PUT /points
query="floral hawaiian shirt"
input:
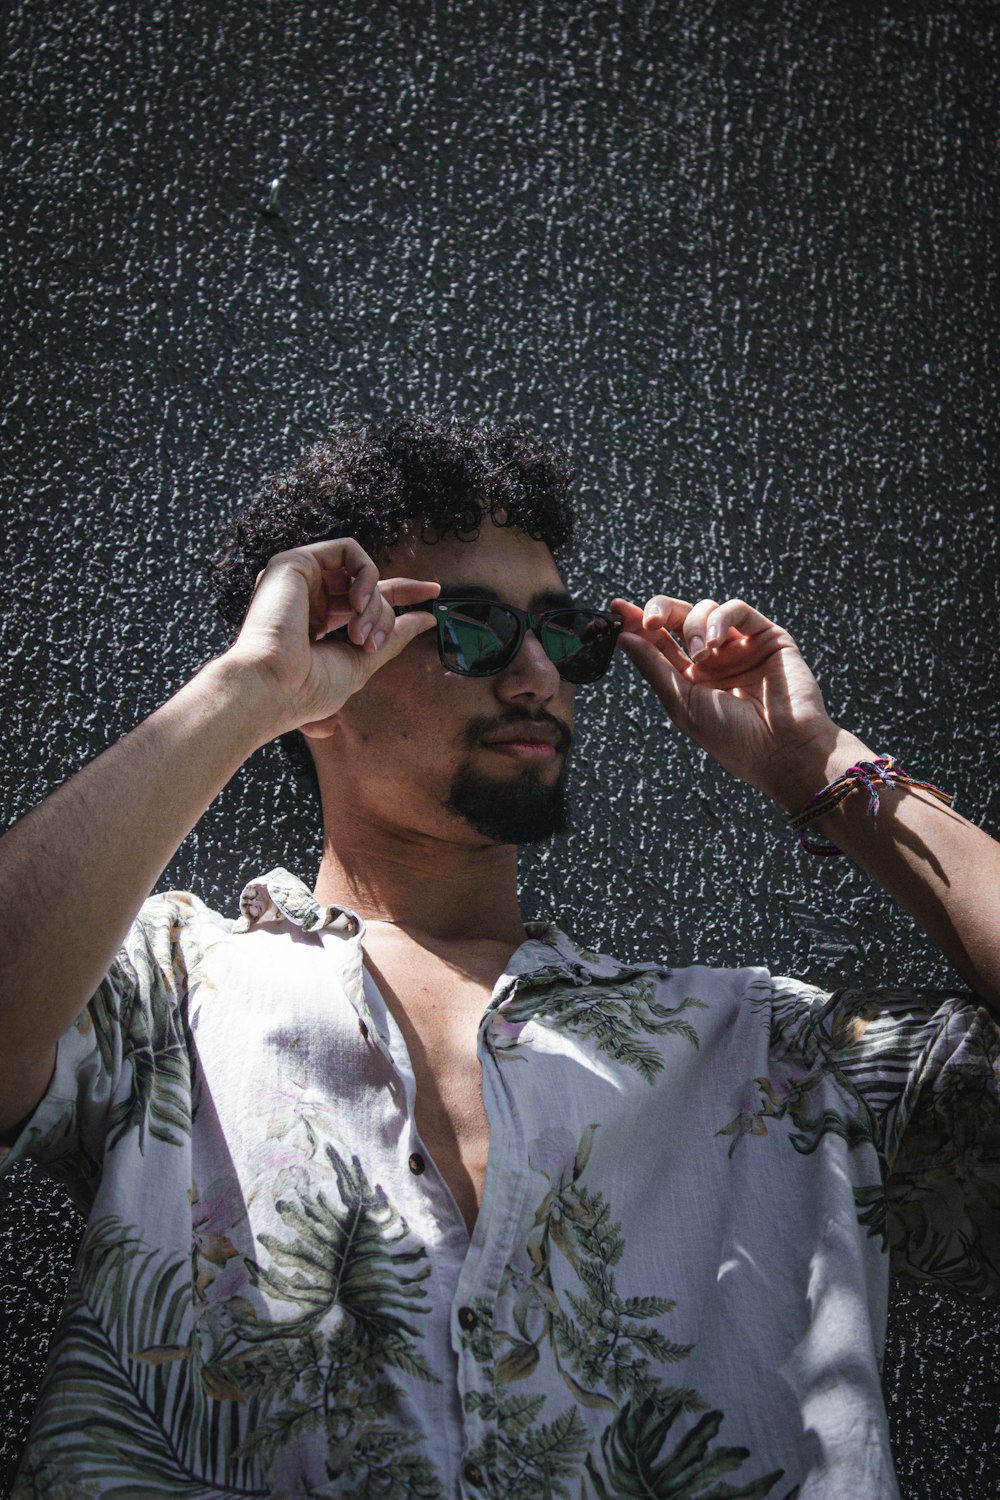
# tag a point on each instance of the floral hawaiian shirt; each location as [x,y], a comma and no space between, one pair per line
[698,1180]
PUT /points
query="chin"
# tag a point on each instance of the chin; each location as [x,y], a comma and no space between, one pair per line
[524,809]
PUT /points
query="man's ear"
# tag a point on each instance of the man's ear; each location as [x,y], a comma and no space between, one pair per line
[321,729]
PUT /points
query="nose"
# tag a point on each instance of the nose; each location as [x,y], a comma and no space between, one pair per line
[530,676]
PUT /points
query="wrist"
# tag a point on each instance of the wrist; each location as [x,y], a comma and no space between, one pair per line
[799,774]
[239,698]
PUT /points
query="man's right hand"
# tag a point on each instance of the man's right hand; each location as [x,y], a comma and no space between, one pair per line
[300,598]
[87,857]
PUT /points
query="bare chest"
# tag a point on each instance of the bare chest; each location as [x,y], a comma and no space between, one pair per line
[438,1008]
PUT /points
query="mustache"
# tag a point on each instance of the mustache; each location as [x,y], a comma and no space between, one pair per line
[477,729]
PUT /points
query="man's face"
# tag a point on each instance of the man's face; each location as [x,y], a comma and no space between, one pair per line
[467,759]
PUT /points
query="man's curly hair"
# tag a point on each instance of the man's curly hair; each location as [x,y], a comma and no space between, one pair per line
[439,474]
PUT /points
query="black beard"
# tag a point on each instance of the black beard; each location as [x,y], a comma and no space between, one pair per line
[524,811]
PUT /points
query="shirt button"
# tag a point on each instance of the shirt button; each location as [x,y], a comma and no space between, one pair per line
[417,1164]
[472,1474]
[467,1318]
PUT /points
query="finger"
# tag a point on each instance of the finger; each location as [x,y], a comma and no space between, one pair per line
[364,581]
[664,612]
[630,613]
[661,612]
[409,590]
[657,636]
[361,623]
[336,569]
[695,628]
[379,623]
[346,558]
[390,592]
[390,636]
[394,633]
[735,615]
[374,617]
[394,590]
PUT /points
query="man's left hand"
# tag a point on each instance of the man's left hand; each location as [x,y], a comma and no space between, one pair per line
[738,686]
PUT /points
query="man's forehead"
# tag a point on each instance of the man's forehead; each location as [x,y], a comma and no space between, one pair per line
[501,562]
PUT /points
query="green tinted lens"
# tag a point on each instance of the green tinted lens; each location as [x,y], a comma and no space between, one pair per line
[479,638]
[476,637]
[579,642]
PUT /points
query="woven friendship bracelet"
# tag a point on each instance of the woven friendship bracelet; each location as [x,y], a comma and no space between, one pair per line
[882,770]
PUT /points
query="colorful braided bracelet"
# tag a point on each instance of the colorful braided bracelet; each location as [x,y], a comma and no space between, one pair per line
[864,773]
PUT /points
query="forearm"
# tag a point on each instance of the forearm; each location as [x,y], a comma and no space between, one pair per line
[75,870]
[940,868]
[747,697]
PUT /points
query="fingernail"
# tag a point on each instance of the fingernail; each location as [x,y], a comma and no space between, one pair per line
[364,604]
[697,646]
[366,631]
[378,638]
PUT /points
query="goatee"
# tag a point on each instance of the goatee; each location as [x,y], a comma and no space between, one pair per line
[523,811]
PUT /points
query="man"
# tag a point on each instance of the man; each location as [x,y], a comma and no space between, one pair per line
[390,1195]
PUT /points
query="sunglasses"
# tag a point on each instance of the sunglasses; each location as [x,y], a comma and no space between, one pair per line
[479,637]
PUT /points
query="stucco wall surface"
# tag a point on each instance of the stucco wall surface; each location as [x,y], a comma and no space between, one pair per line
[742,259]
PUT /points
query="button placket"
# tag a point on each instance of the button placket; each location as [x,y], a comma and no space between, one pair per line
[355,982]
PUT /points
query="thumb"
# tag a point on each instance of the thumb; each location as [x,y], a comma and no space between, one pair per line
[361,664]
[401,631]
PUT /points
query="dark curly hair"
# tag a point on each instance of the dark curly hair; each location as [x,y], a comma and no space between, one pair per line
[440,473]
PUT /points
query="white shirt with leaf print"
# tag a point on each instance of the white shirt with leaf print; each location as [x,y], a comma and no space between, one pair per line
[698,1180]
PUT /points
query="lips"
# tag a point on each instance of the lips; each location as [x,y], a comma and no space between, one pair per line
[534,734]
[540,737]
[530,742]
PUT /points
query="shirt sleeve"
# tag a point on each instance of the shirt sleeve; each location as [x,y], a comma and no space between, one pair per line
[943,1192]
[924,1068]
[126,1063]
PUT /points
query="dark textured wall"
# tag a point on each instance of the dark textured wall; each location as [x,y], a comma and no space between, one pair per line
[741,258]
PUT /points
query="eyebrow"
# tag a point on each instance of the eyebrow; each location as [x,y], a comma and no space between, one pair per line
[547,599]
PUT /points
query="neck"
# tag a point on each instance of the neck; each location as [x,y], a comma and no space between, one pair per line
[427,886]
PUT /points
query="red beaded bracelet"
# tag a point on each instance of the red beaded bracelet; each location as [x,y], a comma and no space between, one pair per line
[864,773]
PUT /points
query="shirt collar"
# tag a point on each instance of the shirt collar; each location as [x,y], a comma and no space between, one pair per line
[545,955]
[279,895]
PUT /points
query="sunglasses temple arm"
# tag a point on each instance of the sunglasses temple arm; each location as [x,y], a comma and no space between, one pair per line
[426,605]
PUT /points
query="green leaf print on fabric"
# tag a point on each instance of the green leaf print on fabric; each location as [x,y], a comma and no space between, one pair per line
[944,1183]
[531,1458]
[150,1428]
[48,1481]
[347,1254]
[156,1044]
[614,1019]
[348,1267]
[608,1342]
[635,1464]
[811,1047]
[917,1074]
[192,1392]
[602,1343]
[608,1348]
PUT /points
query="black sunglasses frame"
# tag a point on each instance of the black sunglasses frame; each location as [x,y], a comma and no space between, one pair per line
[527,619]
